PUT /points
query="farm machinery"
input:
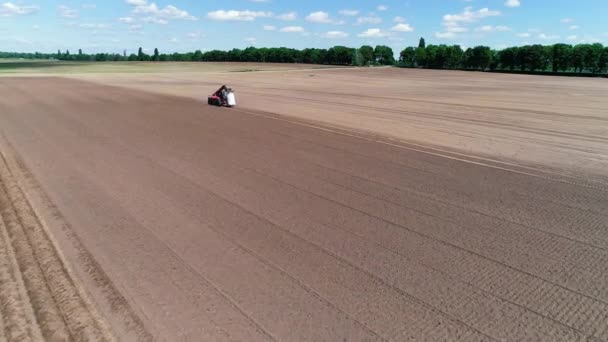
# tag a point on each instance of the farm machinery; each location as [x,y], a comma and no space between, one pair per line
[223,97]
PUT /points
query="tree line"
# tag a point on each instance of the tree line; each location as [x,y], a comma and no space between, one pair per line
[337,55]
[589,58]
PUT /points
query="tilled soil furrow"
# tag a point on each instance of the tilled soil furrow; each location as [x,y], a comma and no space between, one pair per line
[44,306]
[489,225]
[256,155]
[60,310]
[596,307]
[17,323]
[221,224]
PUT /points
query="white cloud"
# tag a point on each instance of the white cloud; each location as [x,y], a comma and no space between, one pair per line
[369,20]
[456,23]
[89,6]
[289,16]
[259,0]
[321,17]
[445,35]
[155,20]
[233,15]
[292,29]
[136,2]
[373,33]
[349,13]
[548,37]
[512,3]
[36,27]
[126,20]
[154,14]
[573,27]
[456,29]
[490,28]
[567,20]
[269,28]
[173,40]
[93,26]
[334,34]
[402,28]
[251,40]
[382,8]
[399,19]
[8,9]
[469,16]
[572,37]
[523,35]
[67,12]
[169,12]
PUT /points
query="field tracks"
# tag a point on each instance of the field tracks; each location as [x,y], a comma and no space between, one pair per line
[528,169]
[39,298]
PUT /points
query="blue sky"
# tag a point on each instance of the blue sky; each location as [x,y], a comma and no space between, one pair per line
[180,25]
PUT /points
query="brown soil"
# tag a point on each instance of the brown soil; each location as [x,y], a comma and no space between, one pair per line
[237,224]
[38,297]
[538,121]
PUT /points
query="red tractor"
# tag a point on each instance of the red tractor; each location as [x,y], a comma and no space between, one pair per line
[223,97]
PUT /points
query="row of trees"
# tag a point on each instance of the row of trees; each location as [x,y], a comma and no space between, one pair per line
[591,58]
[337,55]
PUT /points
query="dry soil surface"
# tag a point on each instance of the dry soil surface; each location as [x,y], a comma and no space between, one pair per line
[189,222]
[538,121]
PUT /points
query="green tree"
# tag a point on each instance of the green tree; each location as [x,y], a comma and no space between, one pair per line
[367,52]
[603,64]
[592,57]
[156,54]
[140,54]
[579,52]
[454,56]
[357,57]
[479,57]
[494,63]
[561,57]
[507,58]
[532,57]
[433,57]
[197,56]
[384,55]
[547,60]
[250,54]
[422,43]
[340,55]
[407,57]
[421,57]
